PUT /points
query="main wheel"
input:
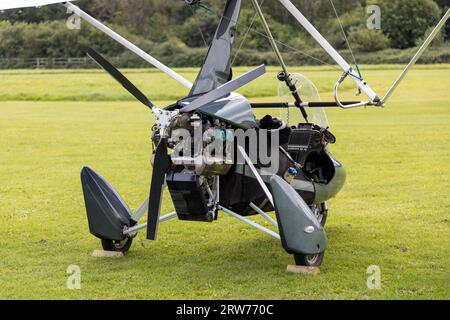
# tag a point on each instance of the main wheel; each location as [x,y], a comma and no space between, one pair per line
[320,211]
[120,246]
[309,260]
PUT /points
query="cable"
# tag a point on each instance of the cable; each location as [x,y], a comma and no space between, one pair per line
[250,28]
[198,26]
[343,32]
[245,35]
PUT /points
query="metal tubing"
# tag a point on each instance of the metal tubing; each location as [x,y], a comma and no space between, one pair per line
[256,174]
[253,224]
[417,56]
[140,211]
[115,36]
[265,215]
[338,101]
[270,36]
[144,225]
[329,49]
[292,87]
[14,4]
[329,104]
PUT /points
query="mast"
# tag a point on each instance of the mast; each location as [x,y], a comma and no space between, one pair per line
[284,75]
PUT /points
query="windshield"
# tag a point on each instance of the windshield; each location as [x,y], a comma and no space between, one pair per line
[308,93]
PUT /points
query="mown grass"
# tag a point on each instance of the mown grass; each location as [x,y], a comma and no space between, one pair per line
[96,85]
[393,211]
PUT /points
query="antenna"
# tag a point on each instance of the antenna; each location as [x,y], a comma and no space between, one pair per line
[416,57]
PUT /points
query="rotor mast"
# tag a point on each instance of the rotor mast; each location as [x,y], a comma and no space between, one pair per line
[284,75]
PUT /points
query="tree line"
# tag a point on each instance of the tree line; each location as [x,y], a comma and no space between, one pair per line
[179,34]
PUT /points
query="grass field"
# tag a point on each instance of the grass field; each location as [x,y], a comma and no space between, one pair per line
[394,211]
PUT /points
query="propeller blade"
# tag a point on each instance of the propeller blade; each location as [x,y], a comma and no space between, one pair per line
[119,77]
[225,89]
[160,165]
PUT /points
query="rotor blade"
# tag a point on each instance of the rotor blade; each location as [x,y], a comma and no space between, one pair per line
[13,4]
[119,77]
[225,89]
[160,165]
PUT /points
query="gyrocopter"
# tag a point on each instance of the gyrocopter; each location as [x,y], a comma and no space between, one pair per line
[214,155]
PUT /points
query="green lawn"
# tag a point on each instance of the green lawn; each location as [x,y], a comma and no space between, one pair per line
[394,211]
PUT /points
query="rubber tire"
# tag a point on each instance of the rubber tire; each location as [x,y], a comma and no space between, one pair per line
[305,260]
[122,246]
[324,209]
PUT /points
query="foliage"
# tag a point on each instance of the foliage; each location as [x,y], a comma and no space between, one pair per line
[176,34]
[368,40]
[53,39]
[407,21]
[438,41]
[354,18]
[255,37]
[198,30]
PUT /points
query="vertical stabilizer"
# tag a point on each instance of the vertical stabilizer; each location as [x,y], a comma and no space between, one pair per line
[216,69]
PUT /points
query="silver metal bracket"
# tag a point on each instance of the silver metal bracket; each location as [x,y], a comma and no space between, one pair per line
[265,215]
[133,230]
[164,119]
[336,95]
[256,174]
[250,222]
[140,211]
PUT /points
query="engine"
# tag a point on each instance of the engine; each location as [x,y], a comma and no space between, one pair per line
[201,152]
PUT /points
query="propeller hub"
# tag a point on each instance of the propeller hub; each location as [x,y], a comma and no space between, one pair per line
[164,119]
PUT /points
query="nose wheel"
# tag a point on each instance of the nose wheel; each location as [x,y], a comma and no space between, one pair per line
[309,260]
[320,211]
[119,246]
